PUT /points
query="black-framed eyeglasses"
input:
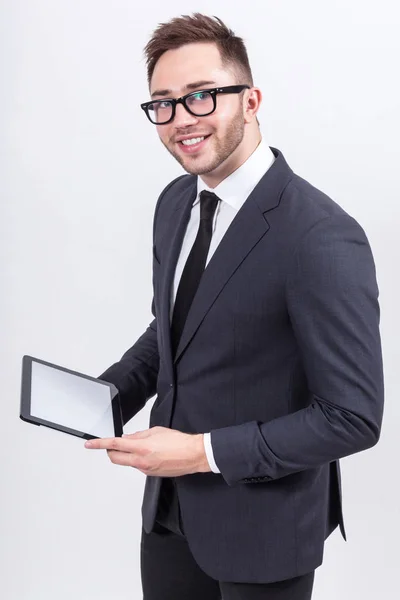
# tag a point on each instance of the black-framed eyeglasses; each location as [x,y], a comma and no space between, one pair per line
[200,104]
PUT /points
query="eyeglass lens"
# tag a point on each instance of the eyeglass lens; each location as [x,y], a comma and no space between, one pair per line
[200,104]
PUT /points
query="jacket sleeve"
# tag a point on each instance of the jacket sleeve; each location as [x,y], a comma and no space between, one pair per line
[135,374]
[332,302]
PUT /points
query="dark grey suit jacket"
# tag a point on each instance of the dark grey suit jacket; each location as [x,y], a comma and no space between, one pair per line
[280,359]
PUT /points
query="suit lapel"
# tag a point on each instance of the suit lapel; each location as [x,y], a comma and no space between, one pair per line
[174,235]
[243,233]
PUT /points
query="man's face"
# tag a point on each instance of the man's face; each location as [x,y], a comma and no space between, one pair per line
[192,63]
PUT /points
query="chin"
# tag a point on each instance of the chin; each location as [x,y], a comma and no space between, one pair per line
[199,168]
[196,171]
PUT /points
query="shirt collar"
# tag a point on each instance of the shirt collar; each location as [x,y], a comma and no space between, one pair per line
[235,188]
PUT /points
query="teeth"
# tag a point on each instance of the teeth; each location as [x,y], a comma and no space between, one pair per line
[192,141]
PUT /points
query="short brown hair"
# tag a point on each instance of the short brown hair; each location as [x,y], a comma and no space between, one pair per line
[199,28]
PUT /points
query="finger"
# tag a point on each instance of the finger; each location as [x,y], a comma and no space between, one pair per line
[110,444]
[125,459]
[100,443]
[137,435]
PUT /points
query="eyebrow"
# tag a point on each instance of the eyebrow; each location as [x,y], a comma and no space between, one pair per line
[190,86]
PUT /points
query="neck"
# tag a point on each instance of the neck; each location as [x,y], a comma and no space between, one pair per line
[233,162]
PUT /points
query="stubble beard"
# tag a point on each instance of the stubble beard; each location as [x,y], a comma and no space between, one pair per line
[221,149]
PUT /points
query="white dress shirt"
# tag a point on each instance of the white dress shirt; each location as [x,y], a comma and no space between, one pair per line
[233,192]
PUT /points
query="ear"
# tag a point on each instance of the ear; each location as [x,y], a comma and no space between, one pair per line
[252,100]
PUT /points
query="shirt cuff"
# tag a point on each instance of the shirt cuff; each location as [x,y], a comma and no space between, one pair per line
[209,453]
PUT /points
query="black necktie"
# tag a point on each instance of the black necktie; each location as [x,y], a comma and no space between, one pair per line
[194,267]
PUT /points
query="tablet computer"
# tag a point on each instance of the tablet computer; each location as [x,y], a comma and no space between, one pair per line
[69,401]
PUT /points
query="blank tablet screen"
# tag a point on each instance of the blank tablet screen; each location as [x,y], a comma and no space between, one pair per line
[71,401]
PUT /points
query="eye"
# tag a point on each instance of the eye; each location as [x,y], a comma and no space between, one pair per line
[198,97]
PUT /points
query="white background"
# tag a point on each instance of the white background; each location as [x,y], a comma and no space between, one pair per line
[81,170]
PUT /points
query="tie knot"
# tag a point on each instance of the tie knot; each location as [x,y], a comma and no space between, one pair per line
[208,204]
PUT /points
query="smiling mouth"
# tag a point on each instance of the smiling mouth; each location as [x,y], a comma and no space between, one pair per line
[193,141]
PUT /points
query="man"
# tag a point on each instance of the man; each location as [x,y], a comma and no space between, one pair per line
[264,350]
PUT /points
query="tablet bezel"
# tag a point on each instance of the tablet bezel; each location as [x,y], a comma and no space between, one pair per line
[25,404]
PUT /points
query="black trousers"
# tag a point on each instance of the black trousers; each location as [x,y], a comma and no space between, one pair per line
[169,571]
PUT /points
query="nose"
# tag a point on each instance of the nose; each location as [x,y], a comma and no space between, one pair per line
[183,118]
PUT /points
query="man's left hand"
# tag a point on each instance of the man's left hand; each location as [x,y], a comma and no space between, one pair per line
[157,451]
